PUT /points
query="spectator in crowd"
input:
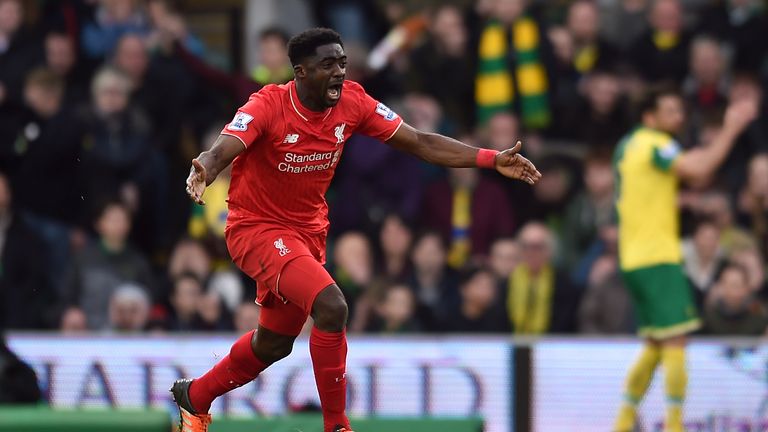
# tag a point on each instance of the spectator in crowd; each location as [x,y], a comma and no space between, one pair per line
[706,87]
[61,59]
[132,59]
[185,297]
[732,307]
[433,282]
[502,131]
[539,297]
[49,141]
[353,269]
[189,256]
[752,201]
[590,210]
[742,24]
[715,205]
[395,240]
[118,158]
[439,67]
[591,51]
[606,307]
[112,20]
[470,210]
[512,71]
[18,53]
[565,74]
[156,88]
[623,21]
[212,313]
[129,309]
[598,115]
[703,259]
[395,312]
[550,196]
[750,259]
[247,317]
[104,265]
[73,321]
[504,258]
[480,310]
[273,67]
[27,301]
[662,52]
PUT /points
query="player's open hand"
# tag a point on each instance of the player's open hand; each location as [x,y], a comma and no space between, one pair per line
[741,113]
[513,165]
[196,182]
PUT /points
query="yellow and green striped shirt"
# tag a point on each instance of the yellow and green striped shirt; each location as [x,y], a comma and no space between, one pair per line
[646,200]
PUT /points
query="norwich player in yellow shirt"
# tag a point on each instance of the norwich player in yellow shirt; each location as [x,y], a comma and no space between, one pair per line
[649,164]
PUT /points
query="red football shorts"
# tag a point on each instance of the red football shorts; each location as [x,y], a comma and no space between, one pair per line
[288,270]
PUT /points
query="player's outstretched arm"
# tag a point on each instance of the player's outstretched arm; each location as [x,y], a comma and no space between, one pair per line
[702,162]
[209,164]
[441,150]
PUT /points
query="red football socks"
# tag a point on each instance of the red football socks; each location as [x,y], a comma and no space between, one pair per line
[329,358]
[240,367]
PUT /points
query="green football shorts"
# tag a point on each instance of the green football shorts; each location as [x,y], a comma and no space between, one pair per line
[663,301]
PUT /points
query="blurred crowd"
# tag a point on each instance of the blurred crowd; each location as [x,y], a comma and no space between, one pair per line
[103,103]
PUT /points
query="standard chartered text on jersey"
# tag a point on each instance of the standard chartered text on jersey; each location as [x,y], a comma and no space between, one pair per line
[331,157]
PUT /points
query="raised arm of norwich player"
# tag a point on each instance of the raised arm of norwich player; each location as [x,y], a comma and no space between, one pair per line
[206,166]
[702,162]
[441,150]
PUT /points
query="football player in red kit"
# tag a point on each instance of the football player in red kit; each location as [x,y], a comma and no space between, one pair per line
[285,144]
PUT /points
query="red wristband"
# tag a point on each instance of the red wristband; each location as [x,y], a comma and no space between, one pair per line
[486,158]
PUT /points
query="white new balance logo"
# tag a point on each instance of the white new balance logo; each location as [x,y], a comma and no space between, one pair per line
[282,249]
[291,138]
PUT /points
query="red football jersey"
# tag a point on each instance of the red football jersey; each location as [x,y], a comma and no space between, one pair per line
[291,153]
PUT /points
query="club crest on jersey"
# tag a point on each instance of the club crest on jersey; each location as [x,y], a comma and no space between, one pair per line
[385,112]
[339,132]
[282,249]
[240,122]
[291,139]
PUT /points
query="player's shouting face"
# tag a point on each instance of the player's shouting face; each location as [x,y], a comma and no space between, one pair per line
[321,76]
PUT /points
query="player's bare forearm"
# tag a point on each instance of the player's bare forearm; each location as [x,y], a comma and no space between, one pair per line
[223,152]
[434,148]
[703,162]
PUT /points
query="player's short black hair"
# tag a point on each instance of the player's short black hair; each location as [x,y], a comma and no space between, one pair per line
[650,100]
[305,44]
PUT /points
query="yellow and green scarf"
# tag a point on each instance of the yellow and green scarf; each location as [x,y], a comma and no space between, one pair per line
[529,301]
[212,217]
[461,218]
[494,89]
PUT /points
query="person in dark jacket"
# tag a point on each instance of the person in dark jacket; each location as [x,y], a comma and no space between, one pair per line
[18,381]
[27,301]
